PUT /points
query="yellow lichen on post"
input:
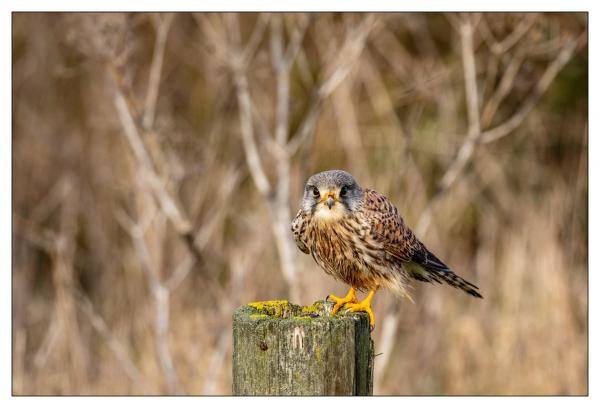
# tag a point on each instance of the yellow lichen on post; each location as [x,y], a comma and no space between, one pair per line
[271,307]
[269,304]
[314,308]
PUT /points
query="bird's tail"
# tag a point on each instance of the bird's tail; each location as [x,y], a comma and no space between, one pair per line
[431,269]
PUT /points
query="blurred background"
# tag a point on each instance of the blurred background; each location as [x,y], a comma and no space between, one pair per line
[159,158]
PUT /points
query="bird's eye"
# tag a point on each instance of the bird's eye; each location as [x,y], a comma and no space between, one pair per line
[343,191]
[316,192]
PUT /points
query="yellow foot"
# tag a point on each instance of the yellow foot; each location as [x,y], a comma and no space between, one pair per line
[364,306]
[339,302]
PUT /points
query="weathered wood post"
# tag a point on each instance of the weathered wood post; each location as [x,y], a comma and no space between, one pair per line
[284,349]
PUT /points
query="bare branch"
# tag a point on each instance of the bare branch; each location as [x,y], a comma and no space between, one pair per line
[239,67]
[280,207]
[181,272]
[307,126]
[350,52]
[304,71]
[255,37]
[161,332]
[162,31]
[467,149]
[247,132]
[148,267]
[219,46]
[506,84]
[296,40]
[48,343]
[169,209]
[470,74]
[501,47]
[454,20]
[281,68]
[160,295]
[167,202]
[131,131]
[215,218]
[541,87]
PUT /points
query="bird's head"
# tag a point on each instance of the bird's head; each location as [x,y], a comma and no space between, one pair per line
[331,195]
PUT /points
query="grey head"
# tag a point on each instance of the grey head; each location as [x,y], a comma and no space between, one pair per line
[331,193]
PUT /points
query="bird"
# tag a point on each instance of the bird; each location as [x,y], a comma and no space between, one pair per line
[358,236]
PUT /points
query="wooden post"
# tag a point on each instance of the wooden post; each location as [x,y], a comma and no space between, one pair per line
[284,349]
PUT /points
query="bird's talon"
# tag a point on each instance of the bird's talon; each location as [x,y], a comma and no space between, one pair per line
[364,306]
[339,302]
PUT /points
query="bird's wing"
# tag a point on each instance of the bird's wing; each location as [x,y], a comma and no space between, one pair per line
[389,230]
[387,227]
[298,230]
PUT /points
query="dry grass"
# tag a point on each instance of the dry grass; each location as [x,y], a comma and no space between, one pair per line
[157,157]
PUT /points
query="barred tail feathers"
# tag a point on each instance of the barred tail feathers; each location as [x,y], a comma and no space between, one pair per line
[428,268]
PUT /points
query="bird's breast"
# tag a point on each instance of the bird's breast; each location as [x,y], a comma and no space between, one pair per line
[343,250]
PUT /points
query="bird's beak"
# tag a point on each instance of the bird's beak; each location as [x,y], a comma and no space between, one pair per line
[330,202]
[329,199]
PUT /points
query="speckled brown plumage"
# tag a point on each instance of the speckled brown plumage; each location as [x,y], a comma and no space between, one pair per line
[357,236]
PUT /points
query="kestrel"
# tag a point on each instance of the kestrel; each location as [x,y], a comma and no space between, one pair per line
[358,236]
